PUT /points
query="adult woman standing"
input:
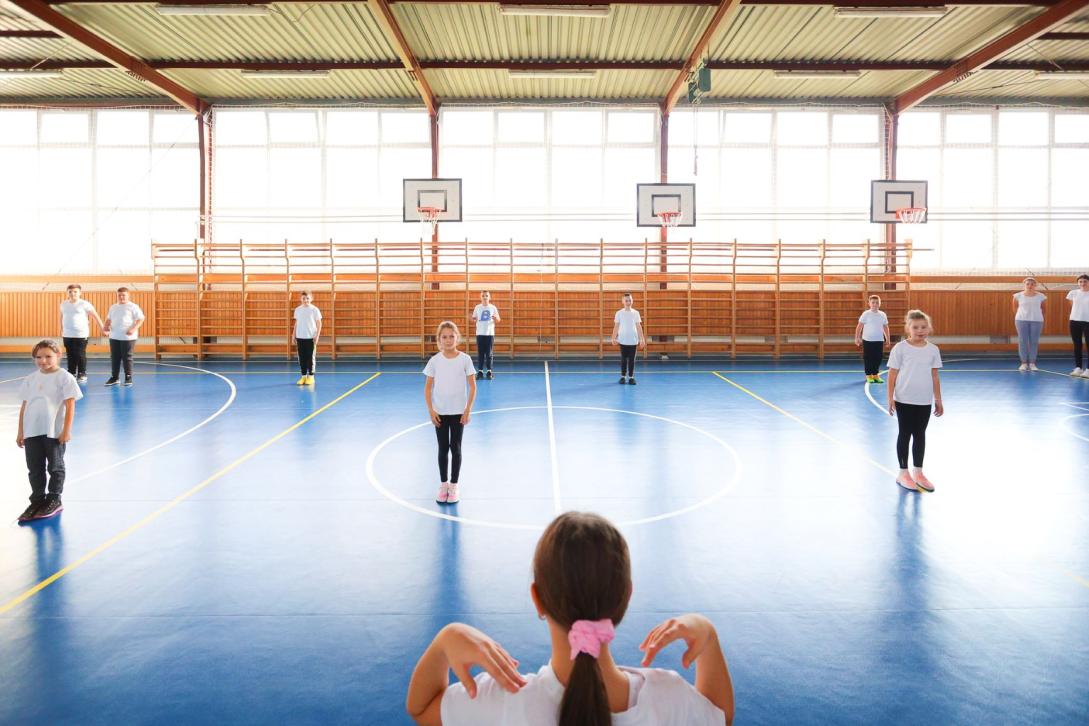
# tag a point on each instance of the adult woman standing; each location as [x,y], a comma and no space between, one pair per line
[1028,308]
[1079,322]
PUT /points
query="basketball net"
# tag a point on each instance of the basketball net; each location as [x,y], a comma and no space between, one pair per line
[669,219]
[429,217]
[911,215]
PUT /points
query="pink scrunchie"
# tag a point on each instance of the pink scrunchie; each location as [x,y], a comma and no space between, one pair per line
[587,636]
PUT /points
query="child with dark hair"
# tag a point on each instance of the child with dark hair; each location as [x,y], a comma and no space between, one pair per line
[76,329]
[1079,323]
[581,588]
[123,321]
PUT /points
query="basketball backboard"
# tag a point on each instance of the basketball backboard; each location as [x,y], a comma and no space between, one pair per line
[442,194]
[653,199]
[888,195]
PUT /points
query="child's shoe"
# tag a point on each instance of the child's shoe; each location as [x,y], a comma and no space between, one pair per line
[51,508]
[480,375]
[112,381]
[444,493]
[921,481]
[1032,367]
[128,380]
[490,374]
[878,379]
[81,378]
[905,480]
[301,381]
[623,379]
[310,380]
[29,513]
[1023,367]
[452,494]
[869,379]
[631,381]
[1075,372]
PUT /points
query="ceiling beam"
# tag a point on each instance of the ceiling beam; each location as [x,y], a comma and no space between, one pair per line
[383,14]
[1064,36]
[694,3]
[1042,23]
[134,66]
[28,34]
[725,9]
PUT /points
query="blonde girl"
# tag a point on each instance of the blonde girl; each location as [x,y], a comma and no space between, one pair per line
[1028,318]
[449,392]
[913,388]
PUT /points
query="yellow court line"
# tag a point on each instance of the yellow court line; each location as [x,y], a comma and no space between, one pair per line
[806,424]
[1080,580]
[16,601]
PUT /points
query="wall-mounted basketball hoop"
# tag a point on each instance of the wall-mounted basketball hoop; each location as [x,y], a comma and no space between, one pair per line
[429,217]
[911,215]
[669,219]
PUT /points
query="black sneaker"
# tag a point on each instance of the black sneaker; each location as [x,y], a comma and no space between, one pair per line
[128,380]
[631,381]
[490,375]
[30,511]
[81,378]
[480,375]
[112,382]
[51,508]
[622,380]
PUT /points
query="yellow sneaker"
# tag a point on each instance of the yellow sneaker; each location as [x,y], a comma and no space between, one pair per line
[310,380]
[301,381]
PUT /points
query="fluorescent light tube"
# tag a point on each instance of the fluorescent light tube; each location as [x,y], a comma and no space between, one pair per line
[802,75]
[572,73]
[568,11]
[1063,75]
[932,11]
[212,9]
[284,73]
[14,73]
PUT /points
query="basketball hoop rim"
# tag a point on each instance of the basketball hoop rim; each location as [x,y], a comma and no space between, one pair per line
[669,219]
[911,215]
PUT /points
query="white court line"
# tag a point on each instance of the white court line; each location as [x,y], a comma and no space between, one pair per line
[1071,431]
[1077,404]
[553,458]
[873,400]
[12,380]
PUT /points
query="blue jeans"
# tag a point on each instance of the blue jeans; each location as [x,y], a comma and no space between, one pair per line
[1028,339]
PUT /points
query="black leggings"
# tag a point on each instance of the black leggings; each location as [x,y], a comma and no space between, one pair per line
[484,345]
[872,352]
[306,355]
[912,419]
[449,433]
[44,455]
[1079,330]
[627,360]
[121,353]
[76,350]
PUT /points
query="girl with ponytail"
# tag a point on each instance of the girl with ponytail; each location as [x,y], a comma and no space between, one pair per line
[581,588]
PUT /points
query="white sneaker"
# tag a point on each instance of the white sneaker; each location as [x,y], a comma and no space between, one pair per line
[1085,373]
[1032,367]
[1024,367]
[1076,372]
[444,493]
[452,496]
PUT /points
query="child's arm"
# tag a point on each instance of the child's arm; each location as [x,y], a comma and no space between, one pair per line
[616,329]
[429,384]
[1015,306]
[496,316]
[858,334]
[19,436]
[94,314]
[1042,304]
[712,674]
[107,325]
[317,332]
[893,373]
[642,338]
[457,647]
[472,397]
[888,338]
[135,329]
[939,409]
[69,414]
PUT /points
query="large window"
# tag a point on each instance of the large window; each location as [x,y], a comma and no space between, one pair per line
[1007,188]
[87,191]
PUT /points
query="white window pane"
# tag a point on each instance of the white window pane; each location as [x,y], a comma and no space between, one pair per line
[1022,177]
[174,226]
[1023,128]
[521,126]
[351,128]
[631,127]
[19,191]
[855,128]
[853,232]
[466,127]
[968,179]
[175,177]
[520,178]
[1022,244]
[1068,243]
[395,164]
[65,128]
[65,178]
[801,231]
[124,242]
[122,128]
[293,127]
[241,128]
[758,231]
[968,128]
[693,126]
[919,128]
[1068,188]
[709,193]
[577,127]
[241,178]
[20,225]
[1071,128]
[746,179]
[802,128]
[174,128]
[852,170]
[122,178]
[65,243]
[624,168]
[968,245]
[926,244]
[747,128]
[18,128]
[406,127]
[802,178]
[576,178]
[922,165]
[295,178]
[474,167]
[351,179]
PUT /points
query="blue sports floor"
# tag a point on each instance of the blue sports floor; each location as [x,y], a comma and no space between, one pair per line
[236,549]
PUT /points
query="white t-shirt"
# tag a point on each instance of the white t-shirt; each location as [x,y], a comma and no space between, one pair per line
[306,321]
[1080,310]
[1029,308]
[914,382]
[450,393]
[74,323]
[485,319]
[122,317]
[656,698]
[627,333]
[873,325]
[45,394]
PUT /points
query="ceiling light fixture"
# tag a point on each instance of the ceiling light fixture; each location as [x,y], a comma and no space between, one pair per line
[559,73]
[563,11]
[284,73]
[803,75]
[29,73]
[237,10]
[919,11]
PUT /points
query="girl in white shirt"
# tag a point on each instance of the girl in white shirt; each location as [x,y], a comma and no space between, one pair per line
[1028,308]
[581,588]
[913,388]
[449,391]
[76,329]
[1079,323]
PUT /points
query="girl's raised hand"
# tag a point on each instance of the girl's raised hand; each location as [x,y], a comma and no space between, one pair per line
[464,647]
[694,629]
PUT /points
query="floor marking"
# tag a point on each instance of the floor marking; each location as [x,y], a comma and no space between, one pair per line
[1056,373]
[17,600]
[183,434]
[873,400]
[1080,580]
[1068,430]
[12,380]
[552,457]
[1077,404]
[807,425]
[725,489]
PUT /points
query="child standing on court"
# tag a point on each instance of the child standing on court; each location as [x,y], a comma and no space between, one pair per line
[1079,323]
[872,333]
[76,329]
[307,333]
[449,392]
[913,388]
[628,333]
[581,587]
[485,315]
[123,321]
[1028,318]
[49,398]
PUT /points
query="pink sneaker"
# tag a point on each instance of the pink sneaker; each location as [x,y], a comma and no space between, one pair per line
[444,493]
[905,480]
[921,481]
[452,494]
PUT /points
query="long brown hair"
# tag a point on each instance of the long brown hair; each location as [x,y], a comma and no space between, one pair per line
[582,571]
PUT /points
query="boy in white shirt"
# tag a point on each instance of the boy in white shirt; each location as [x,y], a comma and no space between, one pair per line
[307,333]
[49,398]
[872,333]
[76,329]
[485,315]
[1079,323]
[123,321]
[628,333]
